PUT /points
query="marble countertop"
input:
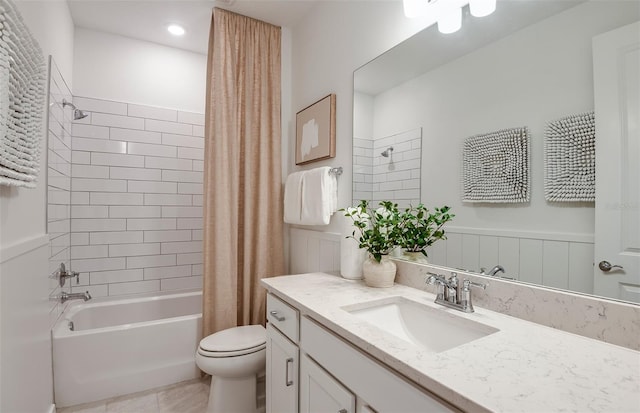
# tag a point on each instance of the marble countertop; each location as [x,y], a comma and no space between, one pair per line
[524,367]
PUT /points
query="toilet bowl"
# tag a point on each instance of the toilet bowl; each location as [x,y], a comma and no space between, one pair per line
[233,357]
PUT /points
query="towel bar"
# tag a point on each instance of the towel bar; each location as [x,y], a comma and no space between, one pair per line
[336,171]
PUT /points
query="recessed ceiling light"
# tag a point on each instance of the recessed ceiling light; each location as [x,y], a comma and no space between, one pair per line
[175,30]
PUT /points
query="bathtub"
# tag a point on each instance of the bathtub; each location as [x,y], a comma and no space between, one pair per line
[113,346]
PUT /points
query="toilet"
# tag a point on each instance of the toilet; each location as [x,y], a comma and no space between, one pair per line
[233,357]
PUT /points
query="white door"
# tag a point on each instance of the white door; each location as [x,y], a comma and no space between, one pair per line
[320,392]
[282,373]
[616,67]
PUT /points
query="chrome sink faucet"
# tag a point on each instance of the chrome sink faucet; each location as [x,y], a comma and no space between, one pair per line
[451,293]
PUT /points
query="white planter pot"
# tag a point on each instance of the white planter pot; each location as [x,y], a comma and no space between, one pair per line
[415,257]
[379,274]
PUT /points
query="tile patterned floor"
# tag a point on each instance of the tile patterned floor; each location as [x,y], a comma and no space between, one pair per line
[186,397]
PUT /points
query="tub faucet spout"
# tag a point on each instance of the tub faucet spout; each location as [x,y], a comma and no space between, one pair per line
[492,272]
[72,296]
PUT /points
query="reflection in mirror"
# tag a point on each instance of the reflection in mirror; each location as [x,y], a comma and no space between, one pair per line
[528,64]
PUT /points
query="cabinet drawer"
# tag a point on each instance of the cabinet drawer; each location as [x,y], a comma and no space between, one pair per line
[284,317]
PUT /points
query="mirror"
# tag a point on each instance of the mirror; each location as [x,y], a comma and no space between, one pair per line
[527,64]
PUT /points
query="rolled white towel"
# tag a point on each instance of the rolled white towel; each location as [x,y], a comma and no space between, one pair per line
[293,198]
[317,196]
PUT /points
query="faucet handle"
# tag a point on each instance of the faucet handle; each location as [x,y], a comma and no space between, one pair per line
[467,283]
[435,278]
[75,274]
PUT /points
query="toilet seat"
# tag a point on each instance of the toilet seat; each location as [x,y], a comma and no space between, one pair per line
[237,353]
[233,342]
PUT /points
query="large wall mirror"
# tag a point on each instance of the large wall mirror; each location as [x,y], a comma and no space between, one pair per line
[528,64]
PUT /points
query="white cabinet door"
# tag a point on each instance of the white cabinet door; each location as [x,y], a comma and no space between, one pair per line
[282,373]
[320,392]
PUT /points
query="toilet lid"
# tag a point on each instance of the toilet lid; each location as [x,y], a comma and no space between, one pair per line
[235,339]
[225,354]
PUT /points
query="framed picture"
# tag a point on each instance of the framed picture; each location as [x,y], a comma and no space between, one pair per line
[316,131]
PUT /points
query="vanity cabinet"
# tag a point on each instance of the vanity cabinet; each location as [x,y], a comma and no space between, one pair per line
[282,373]
[282,387]
[383,389]
[320,392]
[312,370]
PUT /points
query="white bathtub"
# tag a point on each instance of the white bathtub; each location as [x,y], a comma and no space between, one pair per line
[125,345]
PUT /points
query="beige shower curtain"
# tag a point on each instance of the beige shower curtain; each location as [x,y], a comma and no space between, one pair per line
[243,227]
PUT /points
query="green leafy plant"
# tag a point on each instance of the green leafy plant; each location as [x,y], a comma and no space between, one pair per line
[418,228]
[375,230]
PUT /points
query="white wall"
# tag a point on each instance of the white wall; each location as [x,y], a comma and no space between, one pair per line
[328,45]
[25,345]
[118,68]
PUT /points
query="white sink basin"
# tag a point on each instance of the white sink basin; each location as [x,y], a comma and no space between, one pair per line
[433,329]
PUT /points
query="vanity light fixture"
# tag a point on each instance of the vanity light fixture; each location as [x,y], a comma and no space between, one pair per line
[482,8]
[450,21]
[448,12]
[175,29]
[416,8]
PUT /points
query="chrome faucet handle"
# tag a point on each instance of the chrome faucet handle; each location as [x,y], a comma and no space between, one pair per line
[75,274]
[440,282]
[467,283]
[61,274]
[435,278]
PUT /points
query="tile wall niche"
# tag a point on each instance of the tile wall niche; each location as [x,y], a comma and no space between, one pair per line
[136,209]
[58,181]
[396,177]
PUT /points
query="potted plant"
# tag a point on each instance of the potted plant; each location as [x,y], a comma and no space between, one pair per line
[418,228]
[376,232]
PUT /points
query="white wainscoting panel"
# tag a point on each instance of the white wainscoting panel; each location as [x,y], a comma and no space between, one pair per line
[313,251]
[555,260]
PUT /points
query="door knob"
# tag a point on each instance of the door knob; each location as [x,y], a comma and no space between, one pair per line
[606,266]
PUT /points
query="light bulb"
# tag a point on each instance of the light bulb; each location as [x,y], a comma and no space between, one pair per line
[450,21]
[414,8]
[481,8]
[175,30]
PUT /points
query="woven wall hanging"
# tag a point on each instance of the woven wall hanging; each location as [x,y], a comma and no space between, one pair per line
[570,159]
[22,94]
[495,167]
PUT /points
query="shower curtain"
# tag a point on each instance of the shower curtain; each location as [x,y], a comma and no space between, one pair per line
[243,227]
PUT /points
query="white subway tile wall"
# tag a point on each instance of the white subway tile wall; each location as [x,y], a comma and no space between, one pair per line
[59,172]
[396,177]
[136,215]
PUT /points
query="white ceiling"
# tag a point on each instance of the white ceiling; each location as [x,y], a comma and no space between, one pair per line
[147,20]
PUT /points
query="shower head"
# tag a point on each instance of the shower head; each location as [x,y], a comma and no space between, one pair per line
[77,113]
[387,152]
